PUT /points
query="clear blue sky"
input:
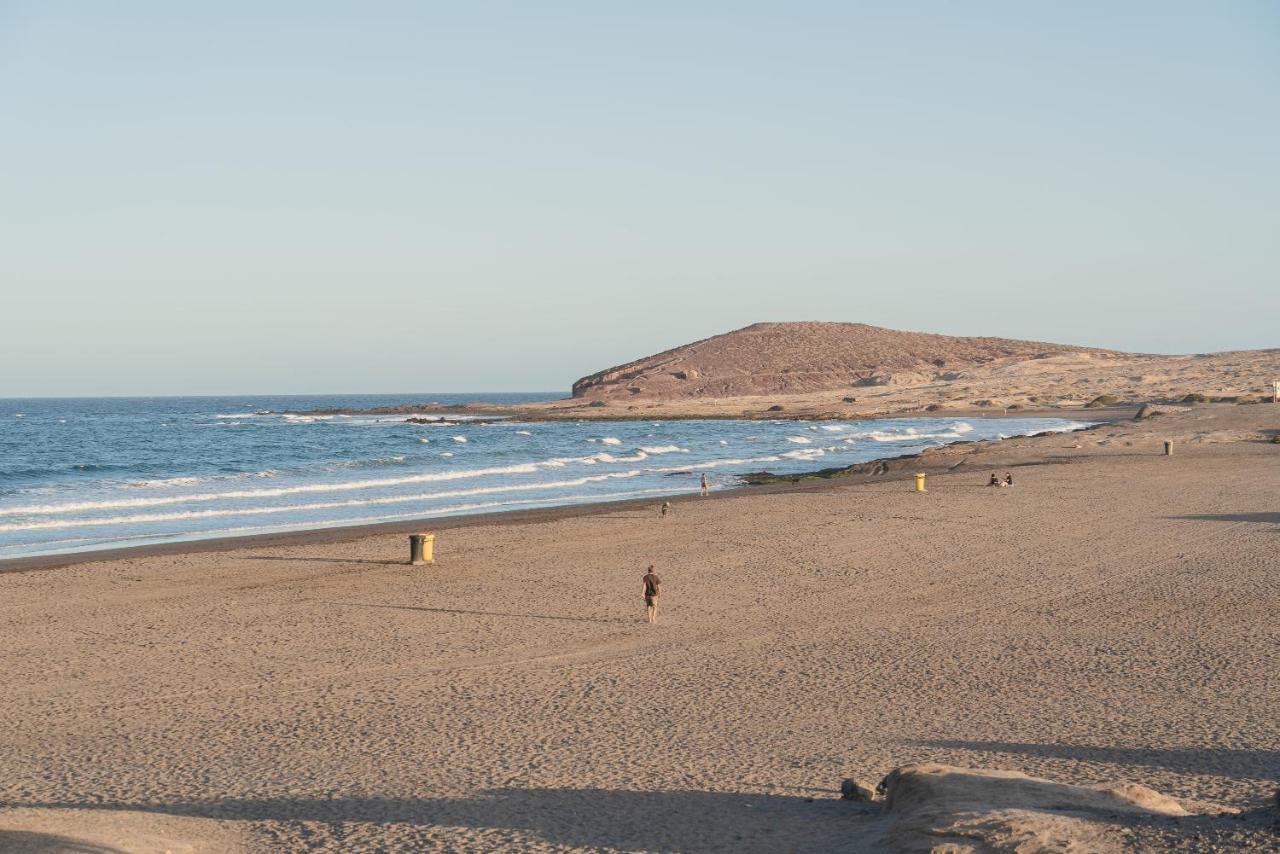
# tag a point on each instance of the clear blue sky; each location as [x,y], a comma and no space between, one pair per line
[307,197]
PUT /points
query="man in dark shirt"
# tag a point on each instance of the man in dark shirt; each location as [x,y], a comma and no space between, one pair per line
[652,589]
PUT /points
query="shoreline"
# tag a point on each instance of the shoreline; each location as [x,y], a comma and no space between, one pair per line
[313,691]
[879,469]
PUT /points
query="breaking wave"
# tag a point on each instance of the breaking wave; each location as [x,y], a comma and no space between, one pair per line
[265,475]
[302,508]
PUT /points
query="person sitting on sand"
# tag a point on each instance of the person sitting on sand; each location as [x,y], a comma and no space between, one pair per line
[995,480]
[652,589]
[706,485]
[1008,479]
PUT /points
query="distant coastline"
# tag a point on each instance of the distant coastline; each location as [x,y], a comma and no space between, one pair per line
[821,370]
[708,411]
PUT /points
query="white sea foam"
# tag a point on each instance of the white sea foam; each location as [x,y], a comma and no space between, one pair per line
[805,454]
[137,518]
[190,480]
[610,458]
[910,434]
[523,433]
[834,428]
[607,440]
[461,439]
[424,440]
[368,422]
[423,514]
[276,492]
[909,437]
[372,462]
[711,464]
[665,449]
[162,483]
[447,454]
[1065,428]
[799,440]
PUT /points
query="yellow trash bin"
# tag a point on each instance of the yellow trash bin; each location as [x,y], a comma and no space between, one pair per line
[421,547]
[919,481]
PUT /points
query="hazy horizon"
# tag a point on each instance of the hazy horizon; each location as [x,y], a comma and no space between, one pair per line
[566,390]
[237,201]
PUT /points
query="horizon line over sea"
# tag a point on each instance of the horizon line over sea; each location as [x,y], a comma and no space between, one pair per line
[85,474]
[423,397]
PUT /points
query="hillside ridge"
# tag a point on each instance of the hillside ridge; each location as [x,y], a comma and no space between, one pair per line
[807,356]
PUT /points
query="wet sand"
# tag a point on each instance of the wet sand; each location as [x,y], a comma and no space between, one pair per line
[1111,617]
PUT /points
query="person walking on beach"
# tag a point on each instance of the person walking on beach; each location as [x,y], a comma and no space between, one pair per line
[706,485]
[652,589]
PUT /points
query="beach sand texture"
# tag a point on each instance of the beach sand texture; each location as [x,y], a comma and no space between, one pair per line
[1112,617]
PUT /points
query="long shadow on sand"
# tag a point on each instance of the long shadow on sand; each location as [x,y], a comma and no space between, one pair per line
[576,818]
[28,842]
[483,613]
[1227,762]
[1232,517]
[327,560]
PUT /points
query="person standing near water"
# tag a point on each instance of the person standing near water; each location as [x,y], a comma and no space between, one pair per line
[706,485]
[652,589]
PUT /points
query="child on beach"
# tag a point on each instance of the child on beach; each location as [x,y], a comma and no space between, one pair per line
[706,485]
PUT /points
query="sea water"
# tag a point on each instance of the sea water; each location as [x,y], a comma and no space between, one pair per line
[90,473]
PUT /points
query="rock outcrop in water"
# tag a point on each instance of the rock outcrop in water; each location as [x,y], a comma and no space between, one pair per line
[788,358]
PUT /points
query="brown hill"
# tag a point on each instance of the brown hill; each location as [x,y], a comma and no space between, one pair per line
[790,358]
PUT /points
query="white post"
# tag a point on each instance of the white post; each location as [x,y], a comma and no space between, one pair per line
[1275,392]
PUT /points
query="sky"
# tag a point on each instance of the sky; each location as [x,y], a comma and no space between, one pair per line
[237,198]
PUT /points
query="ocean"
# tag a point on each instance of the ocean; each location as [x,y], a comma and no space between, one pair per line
[79,474]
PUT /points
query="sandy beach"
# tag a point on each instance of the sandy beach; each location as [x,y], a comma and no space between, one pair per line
[1110,618]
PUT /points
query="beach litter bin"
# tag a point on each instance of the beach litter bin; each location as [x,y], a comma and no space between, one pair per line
[919,481]
[1168,449]
[421,547]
